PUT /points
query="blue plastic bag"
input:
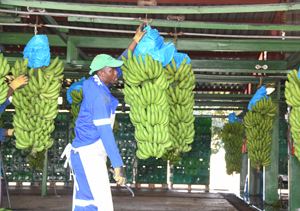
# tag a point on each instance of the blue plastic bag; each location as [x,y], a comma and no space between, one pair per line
[179,57]
[299,73]
[231,117]
[239,120]
[262,92]
[74,86]
[38,51]
[152,44]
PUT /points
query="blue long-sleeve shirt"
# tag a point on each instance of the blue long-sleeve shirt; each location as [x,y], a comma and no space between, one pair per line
[2,130]
[94,119]
[2,107]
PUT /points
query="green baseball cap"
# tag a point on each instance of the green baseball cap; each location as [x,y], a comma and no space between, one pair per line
[103,60]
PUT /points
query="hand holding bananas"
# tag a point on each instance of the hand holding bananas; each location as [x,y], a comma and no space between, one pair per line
[120,175]
[10,132]
[232,137]
[139,33]
[19,82]
[258,124]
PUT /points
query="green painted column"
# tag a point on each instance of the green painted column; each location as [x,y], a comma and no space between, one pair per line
[271,172]
[294,175]
[243,171]
[45,174]
[253,181]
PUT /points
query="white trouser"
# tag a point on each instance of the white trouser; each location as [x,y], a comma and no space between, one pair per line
[91,183]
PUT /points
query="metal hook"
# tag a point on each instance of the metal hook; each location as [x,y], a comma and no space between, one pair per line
[35,27]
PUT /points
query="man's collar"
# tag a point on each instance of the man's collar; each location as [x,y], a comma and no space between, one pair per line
[98,80]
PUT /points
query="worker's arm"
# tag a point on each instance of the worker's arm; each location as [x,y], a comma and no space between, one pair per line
[138,36]
[2,107]
[103,123]
[5,132]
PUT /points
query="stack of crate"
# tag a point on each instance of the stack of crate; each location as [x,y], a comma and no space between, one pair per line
[151,170]
[127,146]
[195,164]
[56,171]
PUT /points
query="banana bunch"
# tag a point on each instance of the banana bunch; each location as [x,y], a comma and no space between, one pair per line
[36,105]
[232,137]
[144,91]
[37,161]
[135,71]
[75,112]
[4,70]
[77,97]
[292,95]
[172,156]
[4,209]
[258,124]
[181,101]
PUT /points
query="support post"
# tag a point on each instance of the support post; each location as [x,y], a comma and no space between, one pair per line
[72,51]
[294,175]
[45,174]
[243,171]
[253,180]
[271,172]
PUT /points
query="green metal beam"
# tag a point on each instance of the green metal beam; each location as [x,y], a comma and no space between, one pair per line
[183,44]
[254,181]
[294,175]
[221,65]
[223,96]
[240,64]
[250,45]
[221,104]
[231,80]
[7,19]
[244,170]
[212,65]
[154,10]
[64,37]
[45,175]
[191,24]
[271,172]
[241,70]
[23,39]
[72,51]
[293,60]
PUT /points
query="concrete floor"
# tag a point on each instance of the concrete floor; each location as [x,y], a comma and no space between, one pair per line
[28,198]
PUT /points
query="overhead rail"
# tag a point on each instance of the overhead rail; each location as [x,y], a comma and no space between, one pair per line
[161,33]
[154,10]
[160,22]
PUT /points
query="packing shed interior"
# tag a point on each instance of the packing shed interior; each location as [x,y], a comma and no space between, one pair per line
[234,46]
